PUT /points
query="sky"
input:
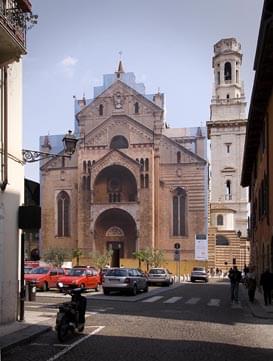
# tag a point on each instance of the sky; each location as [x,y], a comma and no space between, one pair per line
[168,44]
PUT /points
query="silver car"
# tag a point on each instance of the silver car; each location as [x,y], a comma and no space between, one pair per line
[124,279]
[160,276]
[199,274]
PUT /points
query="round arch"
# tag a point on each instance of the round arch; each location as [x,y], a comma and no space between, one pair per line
[116,229]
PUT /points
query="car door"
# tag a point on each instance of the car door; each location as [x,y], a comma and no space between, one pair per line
[53,277]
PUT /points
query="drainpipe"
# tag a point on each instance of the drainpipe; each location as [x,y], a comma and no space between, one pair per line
[5,131]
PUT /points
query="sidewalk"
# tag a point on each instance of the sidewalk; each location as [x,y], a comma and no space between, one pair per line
[18,333]
[258,309]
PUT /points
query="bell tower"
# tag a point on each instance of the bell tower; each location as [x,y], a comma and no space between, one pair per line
[226,132]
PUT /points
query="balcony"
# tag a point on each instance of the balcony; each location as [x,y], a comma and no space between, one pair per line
[15,18]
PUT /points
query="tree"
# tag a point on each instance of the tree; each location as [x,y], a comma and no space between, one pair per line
[150,256]
[101,260]
[77,253]
[56,256]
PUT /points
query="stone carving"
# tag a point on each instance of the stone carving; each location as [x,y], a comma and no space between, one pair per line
[114,232]
[118,100]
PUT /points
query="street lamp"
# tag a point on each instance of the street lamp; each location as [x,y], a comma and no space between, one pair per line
[69,141]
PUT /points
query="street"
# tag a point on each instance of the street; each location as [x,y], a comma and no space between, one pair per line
[184,322]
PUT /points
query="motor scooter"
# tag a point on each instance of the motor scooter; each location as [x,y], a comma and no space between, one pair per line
[71,315]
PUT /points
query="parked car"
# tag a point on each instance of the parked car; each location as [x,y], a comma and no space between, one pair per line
[124,279]
[199,274]
[80,277]
[160,276]
[44,277]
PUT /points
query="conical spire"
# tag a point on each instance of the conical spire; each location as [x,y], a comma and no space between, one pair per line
[120,69]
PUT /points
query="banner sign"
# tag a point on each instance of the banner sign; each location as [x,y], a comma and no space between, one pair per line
[201,247]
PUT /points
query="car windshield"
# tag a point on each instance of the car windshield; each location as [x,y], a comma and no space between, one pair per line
[39,271]
[117,272]
[76,272]
[157,271]
[200,269]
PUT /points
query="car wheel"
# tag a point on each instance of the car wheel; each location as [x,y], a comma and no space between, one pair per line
[45,286]
[192,280]
[106,292]
[146,288]
[97,288]
[134,290]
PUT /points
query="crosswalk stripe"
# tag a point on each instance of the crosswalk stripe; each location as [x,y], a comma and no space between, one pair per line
[192,301]
[214,302]
[173,300]
[153,299]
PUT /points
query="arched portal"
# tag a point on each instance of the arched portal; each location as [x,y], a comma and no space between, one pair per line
[115,184]
[116,229]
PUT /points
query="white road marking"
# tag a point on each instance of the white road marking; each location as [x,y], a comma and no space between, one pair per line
[214,302]
[76,343]
[173,300]
[153,299]
[192,301]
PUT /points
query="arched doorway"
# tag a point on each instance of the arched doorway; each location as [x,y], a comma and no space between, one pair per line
[115,229]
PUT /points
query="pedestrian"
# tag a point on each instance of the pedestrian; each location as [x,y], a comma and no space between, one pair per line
[266,282]
[235,277]
[251,283]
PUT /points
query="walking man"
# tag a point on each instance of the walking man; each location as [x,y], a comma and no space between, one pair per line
[235,278]
[266,282]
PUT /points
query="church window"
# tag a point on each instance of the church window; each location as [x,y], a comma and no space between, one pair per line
[228,195]
[146,181]
[63,208]
[84,166]
[119,142]
[142,181]
[218,77]
[227,71]
[178,156]
[142,164]
[220,220]
[179,212]
[146,164]
[136,106]
[101,109]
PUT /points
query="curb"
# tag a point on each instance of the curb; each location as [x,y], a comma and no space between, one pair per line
[22,336]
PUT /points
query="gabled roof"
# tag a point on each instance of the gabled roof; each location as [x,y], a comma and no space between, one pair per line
[129,89]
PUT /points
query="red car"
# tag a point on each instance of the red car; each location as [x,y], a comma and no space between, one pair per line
[44,277]
[81,277]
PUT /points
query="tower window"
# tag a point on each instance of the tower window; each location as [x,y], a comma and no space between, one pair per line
[227,71]
[178,156]
[227,97]
[220,220]
[101,109]
[63,209]
[228,195]
[237,76]
[136,106]
[228,147]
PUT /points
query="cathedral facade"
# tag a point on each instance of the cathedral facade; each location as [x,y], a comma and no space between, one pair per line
[132,183]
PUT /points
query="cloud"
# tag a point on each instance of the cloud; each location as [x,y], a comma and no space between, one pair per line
[67,66]
[69,61]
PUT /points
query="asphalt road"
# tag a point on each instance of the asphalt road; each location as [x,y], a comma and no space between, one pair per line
[187,322]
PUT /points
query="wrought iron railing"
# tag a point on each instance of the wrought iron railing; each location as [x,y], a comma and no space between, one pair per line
[17,17]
